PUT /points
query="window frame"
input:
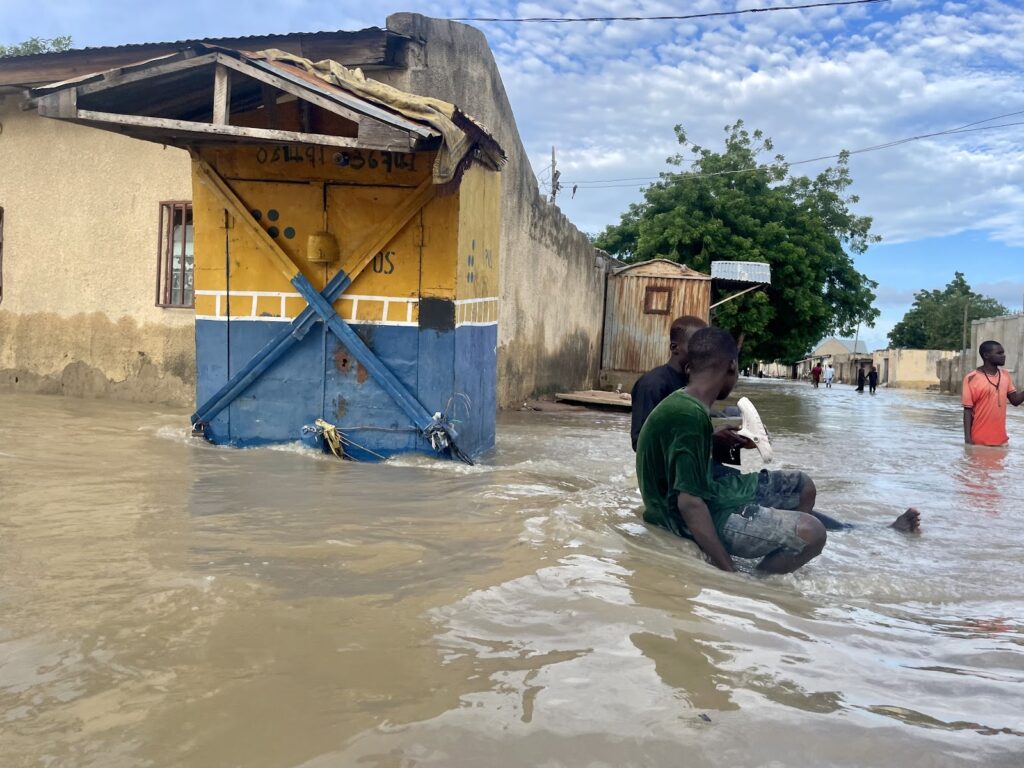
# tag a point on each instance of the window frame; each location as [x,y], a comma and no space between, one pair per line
[166,212]
[650,292]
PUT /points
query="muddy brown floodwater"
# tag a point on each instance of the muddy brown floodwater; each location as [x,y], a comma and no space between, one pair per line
[168,603]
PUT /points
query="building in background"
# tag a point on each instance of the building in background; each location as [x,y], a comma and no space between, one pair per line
[97,258]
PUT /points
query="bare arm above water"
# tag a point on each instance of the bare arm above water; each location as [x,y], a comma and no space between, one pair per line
[1016,398]
[968,423]
[698,520]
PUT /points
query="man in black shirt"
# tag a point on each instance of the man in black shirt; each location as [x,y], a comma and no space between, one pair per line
[657,384]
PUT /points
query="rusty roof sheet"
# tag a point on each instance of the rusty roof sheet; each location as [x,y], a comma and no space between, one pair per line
[228,42]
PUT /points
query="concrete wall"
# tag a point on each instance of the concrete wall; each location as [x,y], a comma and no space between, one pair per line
[910,368]
[1008,330]
[552,278]
[78,313]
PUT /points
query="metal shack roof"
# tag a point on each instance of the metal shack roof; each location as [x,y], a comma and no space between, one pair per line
[741,271]
[368,49]
[660,268]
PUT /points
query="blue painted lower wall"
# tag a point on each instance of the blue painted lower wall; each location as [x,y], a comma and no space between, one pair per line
[452,371]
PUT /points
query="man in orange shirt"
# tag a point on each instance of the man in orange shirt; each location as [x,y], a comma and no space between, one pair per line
[987,389]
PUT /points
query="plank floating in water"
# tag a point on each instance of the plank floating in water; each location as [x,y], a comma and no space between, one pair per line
[597,397]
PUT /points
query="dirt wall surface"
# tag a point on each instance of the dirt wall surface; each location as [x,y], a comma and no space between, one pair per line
[552,278]
[97,357]
[78,313]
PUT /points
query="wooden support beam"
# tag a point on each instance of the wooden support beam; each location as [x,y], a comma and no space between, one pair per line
[221,95]
[207,130]
[270,105]
[63,104]
[114,80]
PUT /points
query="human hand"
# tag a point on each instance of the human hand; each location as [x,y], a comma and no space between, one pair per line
[729,437]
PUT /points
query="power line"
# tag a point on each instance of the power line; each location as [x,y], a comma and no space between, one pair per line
[563,20]
[612,183]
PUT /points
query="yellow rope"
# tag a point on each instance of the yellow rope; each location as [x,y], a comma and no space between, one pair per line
[332,438]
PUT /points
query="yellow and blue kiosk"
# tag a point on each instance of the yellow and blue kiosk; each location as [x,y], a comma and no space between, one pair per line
[345,248]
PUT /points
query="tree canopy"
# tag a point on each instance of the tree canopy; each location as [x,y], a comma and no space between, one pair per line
[730,206]
[37,45]
[936,318]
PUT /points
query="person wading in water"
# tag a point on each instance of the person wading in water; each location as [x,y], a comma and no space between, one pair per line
[987,390]
[763,515]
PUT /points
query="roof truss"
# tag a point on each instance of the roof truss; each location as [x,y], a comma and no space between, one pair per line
[193,96]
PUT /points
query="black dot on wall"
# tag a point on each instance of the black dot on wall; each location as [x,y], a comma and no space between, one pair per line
[272,231]
[257,215]
[289,232]
[272,214]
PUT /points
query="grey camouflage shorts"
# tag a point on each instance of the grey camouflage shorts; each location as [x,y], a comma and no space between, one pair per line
[768,523]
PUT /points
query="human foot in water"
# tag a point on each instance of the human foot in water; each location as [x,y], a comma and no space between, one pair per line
[908,522]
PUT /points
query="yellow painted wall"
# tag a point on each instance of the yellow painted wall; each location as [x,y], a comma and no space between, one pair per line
[78,313]
[477,289]
[294,183]
[910,368]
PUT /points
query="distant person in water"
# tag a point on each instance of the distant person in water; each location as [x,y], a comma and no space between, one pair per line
[830,373]
[761,515]
[987,390]
[872,380]
[860,379]
[816,374]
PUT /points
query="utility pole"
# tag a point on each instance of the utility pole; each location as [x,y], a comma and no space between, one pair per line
[967,308]
[555,173]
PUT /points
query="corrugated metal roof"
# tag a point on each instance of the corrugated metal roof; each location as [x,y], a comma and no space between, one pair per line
[663,268]
[227,42]
[741,271]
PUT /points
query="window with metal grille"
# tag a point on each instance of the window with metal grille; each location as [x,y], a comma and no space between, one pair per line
[657,300]
[175,262]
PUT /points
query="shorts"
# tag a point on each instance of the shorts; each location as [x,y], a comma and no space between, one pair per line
[769,523]
[780,489]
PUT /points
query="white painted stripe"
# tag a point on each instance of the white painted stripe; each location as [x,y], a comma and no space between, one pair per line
[460,302]
[249,293]
[246,319]
[398,323]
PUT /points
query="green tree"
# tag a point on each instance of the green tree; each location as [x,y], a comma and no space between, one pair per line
[729,206]
[37,45]
[936,318]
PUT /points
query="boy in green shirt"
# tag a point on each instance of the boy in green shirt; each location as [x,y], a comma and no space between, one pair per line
[758,515]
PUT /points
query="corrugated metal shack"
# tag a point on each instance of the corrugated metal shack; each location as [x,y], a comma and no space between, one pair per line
[642,301]
[345,245]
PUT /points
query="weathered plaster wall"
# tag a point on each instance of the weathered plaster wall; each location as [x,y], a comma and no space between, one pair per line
[910,368]
[552,278]
[1008,331]
[79,263]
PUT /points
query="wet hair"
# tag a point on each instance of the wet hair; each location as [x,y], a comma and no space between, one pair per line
[987,346]
[711,348]
[683,324]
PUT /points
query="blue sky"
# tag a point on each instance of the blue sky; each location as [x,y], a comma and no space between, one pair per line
[816,81]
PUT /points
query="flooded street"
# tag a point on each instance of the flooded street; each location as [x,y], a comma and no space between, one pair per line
[164,602]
